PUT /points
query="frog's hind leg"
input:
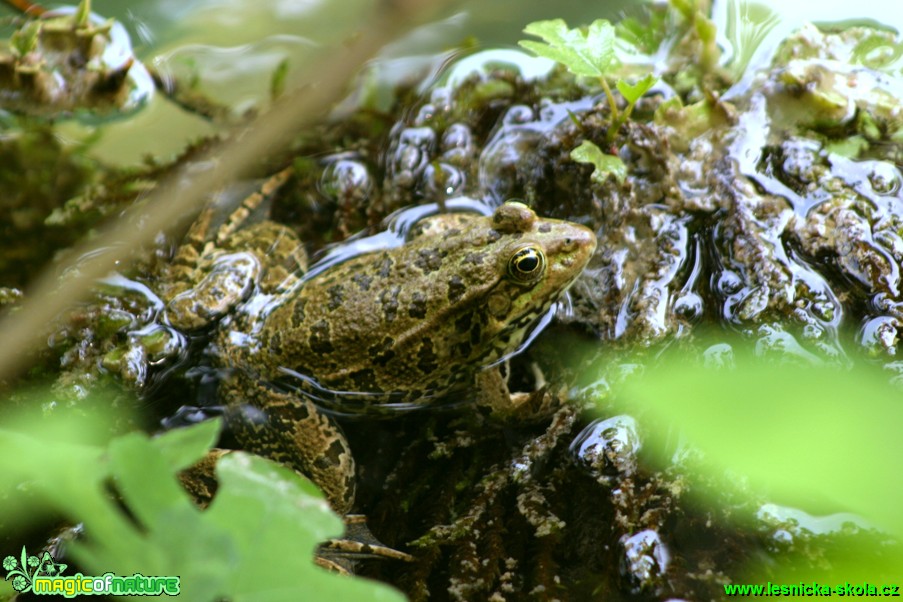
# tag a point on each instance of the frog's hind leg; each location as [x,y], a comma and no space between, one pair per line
[196,243]
[290,429]
[359,543]
[240,215]
[187,257]
[276,245]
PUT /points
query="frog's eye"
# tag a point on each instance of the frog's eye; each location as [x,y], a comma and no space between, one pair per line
[527,264]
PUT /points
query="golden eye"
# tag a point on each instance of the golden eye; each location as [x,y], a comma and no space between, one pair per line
[527,264]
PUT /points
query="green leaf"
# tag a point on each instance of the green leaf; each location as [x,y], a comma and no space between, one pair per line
[687,8]
[589,54]
[804,433]
[278,79]
[255,542]
[645,36]
[261,504]
[851,147]
[186,446]
[82,13]
[633,92]
[144,478]
[604,164]
[25,40]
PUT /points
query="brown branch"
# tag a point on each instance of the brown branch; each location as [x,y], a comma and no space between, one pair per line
[27,8]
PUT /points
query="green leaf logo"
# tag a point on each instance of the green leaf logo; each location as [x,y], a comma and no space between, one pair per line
[24,572]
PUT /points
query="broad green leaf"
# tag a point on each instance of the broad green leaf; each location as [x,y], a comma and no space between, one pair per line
[604,164]
[811,433]
[171,537]
[589,54]
[255,542]
[280,517]
[633,92]
[145,479]
[185,446]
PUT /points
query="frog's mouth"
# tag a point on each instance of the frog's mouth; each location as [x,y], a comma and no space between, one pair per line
[526,329]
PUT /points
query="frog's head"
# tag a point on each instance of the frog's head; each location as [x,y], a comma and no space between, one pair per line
[535,260]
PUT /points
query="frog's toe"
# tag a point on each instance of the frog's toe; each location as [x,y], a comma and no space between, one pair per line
[340,566]
[359,543]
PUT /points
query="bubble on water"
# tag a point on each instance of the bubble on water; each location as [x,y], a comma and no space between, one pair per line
[646,557]
[457,145]
[878,336]
[728,283]
[518,114]
[688,306]
[608,448]
[409,155]
[346,181]
[441,180]
[884,178]
[718,356]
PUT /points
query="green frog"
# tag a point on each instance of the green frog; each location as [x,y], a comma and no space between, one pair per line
[391,329]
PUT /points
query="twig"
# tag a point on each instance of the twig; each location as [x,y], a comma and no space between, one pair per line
[27,7]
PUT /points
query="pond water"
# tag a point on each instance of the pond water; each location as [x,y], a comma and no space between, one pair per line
[231,48]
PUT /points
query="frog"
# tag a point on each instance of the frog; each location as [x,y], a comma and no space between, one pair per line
[384,331]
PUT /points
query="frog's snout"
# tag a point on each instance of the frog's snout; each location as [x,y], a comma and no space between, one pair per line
[580,242]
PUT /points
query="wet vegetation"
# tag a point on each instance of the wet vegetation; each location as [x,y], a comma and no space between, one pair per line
[743,217]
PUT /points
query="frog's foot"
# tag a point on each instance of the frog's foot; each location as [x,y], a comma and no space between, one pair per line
[527,406]
[211,273]
[341,566]
[359,543]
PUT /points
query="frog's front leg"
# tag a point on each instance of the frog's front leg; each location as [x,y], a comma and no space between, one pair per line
[494,395]
[229,281]
[290,429]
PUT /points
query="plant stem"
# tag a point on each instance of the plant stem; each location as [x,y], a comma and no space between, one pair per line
[612,105]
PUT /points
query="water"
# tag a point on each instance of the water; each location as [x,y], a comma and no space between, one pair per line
[230,49]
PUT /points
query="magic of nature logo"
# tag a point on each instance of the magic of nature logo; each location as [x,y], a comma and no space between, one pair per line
[43,575]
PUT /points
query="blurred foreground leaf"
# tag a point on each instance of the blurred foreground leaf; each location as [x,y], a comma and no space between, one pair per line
[255,542]
[824,434]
